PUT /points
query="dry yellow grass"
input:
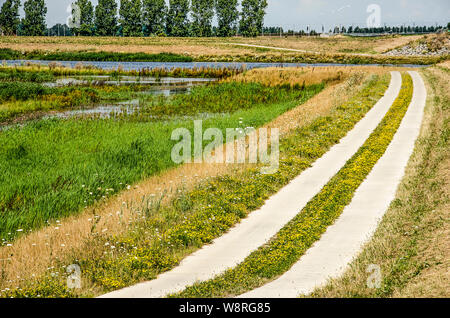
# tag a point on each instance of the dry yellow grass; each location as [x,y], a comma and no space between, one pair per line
[434,281]
[192,50]
[395,42]
[274,76]
[445,64]
[187,46]
[34,253]
[205,46]
[293,76]
[411,243]
[339,44]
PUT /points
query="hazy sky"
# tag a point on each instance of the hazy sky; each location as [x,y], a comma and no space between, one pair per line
[297,14]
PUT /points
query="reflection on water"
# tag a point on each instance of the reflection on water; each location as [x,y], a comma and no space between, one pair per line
[167,86]
[129,80]
[136,66]
[103,111]
[158,86]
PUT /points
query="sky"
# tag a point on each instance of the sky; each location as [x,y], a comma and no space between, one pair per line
[298,14]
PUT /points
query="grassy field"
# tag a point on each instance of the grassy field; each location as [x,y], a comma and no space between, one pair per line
[201,46]
[60,166]
[340,49]
[176,228]
[35,72]
[103,193]
[76,233]
[77,134]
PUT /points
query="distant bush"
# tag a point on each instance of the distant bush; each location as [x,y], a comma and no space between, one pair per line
[21,91]
[26,91]
[8,54]
[14,74]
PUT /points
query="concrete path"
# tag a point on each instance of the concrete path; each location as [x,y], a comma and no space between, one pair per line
[271,47]
[290,50]
[254,231]
[330,256]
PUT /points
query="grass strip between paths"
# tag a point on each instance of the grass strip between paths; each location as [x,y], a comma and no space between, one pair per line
[169,233]
[293,240]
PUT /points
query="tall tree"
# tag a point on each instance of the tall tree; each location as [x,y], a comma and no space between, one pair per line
[106,17]
[177,19]
[34,21]
[131,17]
[202,15]
[9,17]
[86,17]
[252,17]
[227,16]
[154,16]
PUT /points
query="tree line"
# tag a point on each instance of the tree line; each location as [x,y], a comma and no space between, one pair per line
[357,30]
[140,18]
[388,29]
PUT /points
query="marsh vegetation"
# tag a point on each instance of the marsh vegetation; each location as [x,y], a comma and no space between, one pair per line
[53,168]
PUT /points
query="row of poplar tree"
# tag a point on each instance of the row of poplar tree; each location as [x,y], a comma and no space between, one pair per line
[142,17]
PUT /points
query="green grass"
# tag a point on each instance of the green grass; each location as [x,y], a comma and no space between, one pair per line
[172,231]
[39,73]
[25,98]
[22,91]
[220,99]
[336,58]
[53,168]
[9,54]
[28,90]
[18,98]
[9,74]
[30,72]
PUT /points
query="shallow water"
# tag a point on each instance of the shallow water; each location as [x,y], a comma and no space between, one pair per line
[111,110]
[159,83]
[167,86]
[101,110]
[136,66]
